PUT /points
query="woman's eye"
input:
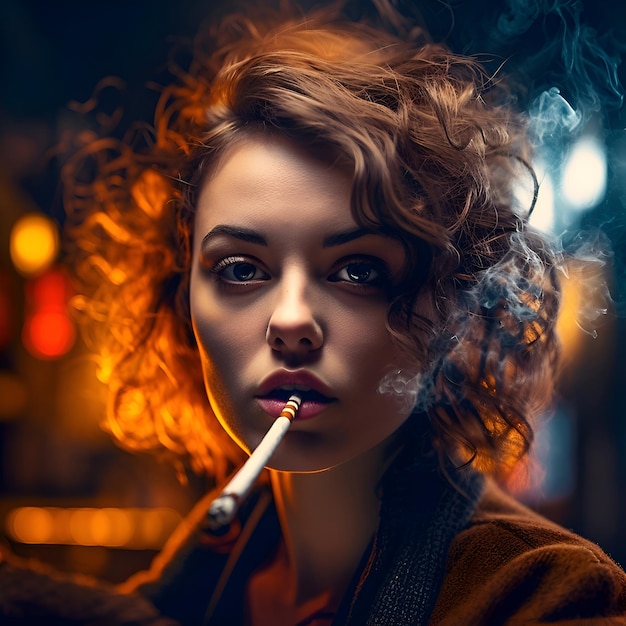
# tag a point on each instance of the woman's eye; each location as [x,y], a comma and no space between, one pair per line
[238,271]
[359,273]
[241,271]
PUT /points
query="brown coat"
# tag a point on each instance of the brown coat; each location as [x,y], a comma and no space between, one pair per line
[511,566]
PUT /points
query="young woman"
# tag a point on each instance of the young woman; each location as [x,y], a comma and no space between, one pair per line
[331,209]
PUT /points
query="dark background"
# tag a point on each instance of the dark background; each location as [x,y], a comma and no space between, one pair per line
[53,53]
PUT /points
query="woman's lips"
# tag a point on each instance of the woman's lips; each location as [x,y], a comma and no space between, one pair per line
[284,379]
[275,389]
[308,408]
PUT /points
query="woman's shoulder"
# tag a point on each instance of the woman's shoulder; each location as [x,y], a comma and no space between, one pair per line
[513,566]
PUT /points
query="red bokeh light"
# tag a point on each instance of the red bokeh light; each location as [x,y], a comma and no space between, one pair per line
[48,334]
[48,331]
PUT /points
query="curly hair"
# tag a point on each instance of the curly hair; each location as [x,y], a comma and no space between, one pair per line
[436,153]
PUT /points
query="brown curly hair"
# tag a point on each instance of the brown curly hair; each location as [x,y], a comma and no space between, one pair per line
[436,154]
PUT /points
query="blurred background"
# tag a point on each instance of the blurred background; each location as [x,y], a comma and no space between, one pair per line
[68,496]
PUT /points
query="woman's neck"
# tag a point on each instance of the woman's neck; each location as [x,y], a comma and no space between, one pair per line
[328,518]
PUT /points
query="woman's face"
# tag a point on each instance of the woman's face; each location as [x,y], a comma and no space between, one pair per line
[288,291]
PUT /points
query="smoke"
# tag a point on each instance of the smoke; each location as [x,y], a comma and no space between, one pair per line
[570,73]
[553,120]
[512,286]
[548,44]
[587,255]
[511,294]
[408,387]
[564,75]
[571,90]
[504,283]
[517,18]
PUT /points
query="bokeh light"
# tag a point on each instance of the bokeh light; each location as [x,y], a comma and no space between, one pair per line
[128,528]
[31,524]
[49,334]
[585,175]
[48,331]
[34,243]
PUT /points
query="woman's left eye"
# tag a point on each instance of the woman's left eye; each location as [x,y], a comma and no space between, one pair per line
[238,270]
[360,272]
[242,272]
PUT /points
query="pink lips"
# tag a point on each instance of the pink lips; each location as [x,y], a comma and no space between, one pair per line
[309,407]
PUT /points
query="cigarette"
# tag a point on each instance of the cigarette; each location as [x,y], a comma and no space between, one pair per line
[223,508]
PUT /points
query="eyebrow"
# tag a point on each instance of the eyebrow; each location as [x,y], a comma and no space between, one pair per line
[252,236]
[243,234]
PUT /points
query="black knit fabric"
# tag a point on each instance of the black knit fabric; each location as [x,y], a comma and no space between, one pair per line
[421,514]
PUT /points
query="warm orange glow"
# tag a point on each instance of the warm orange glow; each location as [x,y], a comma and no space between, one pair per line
[34,244]
[105,368]
[526,478]
[31,524]
[79,401]
[48,335]
[151,526]
[132,528]
[574,288]
[151,193]
[50,290]
[48,331]
[80,528]
[111,527]
[132,404]
[13,394]
[115,275]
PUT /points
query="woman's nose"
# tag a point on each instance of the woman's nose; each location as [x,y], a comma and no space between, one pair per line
[293,328]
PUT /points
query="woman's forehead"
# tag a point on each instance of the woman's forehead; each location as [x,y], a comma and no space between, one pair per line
[270,177]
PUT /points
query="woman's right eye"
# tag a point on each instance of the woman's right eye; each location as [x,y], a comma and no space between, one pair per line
[236,270]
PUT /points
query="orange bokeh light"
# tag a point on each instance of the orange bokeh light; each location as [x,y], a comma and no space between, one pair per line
[34,243]
[129,528]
